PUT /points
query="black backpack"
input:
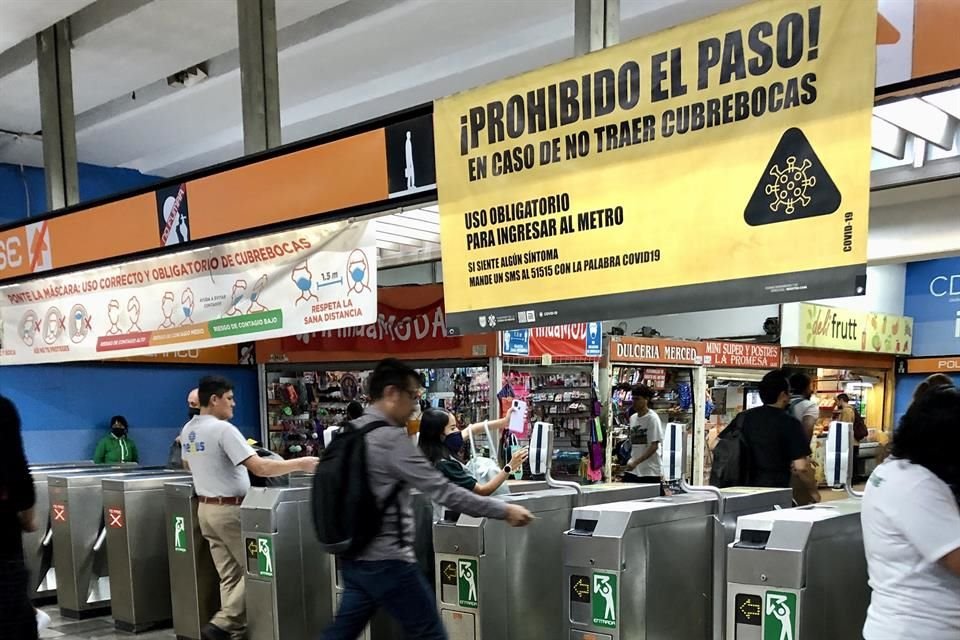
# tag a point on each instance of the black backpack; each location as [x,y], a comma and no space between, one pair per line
[860,430]
[345,511]
[731,457]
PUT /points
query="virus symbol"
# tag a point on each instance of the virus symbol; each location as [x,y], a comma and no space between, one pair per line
[789,187]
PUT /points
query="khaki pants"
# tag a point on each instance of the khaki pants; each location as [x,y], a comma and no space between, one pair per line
[220,525]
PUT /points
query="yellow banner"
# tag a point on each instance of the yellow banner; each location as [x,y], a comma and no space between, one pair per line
[848,330]
[721,163]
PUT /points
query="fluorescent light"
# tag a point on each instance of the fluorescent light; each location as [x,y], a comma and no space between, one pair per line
[920,118]
[888,138]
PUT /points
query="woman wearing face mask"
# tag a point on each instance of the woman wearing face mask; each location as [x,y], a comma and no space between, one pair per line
[117,446]
[441,441]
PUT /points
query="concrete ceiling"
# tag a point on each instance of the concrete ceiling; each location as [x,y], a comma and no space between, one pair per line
[341,62]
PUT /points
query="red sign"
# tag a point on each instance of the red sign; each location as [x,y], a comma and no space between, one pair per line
[741,355]
[396,331]
[115,518]
[566,340]
[59,512]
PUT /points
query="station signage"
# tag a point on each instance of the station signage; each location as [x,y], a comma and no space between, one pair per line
[587,190]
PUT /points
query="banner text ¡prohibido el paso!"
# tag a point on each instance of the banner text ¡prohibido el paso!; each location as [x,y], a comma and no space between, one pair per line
[311,279]
[721,163]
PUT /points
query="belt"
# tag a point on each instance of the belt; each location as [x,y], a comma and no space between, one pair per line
[220,500]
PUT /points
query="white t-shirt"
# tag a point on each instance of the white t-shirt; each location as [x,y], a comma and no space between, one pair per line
[804,409]
[215,451]
[644,431]
[910,521]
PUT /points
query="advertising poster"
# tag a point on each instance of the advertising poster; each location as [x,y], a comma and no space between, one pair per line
[721,163]
[820,327]
[933,300]
[315,278]
[583,339]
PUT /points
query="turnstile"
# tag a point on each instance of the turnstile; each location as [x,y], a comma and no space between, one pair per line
[652,569]
[194,583]
[288,588]
[79,536]
[496,582]
[798,574]
[38,545]
[137,550]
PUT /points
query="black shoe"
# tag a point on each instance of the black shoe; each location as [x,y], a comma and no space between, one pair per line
[213,632]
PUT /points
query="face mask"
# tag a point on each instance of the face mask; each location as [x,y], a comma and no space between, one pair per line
[118,431]
[187,312]
[357,274]
[454,442]
[193,411]
[303,284]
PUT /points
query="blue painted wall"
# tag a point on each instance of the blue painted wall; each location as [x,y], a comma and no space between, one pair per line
[65,409]
[933,301]
[23,192]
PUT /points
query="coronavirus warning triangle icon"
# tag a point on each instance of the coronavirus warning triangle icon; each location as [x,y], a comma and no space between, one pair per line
[794,185]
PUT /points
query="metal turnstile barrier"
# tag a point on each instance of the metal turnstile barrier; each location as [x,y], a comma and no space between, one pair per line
[79,540]
[798,574]
[38,545]
[496,582]
[652,569]
[137,550]
[287,575]
[194,583]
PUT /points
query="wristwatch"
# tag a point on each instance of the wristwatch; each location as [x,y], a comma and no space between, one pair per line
[507,469]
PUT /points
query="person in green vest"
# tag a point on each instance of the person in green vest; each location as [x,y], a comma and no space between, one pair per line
[117,446]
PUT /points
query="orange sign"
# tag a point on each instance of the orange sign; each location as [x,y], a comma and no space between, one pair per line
[654,351]
[933,365]
[836,359]
[361,169]
[916,39]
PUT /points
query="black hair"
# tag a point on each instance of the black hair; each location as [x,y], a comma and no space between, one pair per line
[936,380]
[844,397]
[390,372]
[432,424]
[119,420]
[212,386]
[642,391]
[928,435]
[772,385]
[354,410]
[799,383]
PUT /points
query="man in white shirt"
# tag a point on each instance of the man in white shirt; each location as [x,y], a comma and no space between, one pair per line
[646,433]
[219,458]
[804,483]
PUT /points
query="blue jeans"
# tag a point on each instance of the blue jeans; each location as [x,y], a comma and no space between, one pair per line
[399,587]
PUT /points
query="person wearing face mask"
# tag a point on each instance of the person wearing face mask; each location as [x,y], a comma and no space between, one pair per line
[175,456]
[441,441]
[116,447]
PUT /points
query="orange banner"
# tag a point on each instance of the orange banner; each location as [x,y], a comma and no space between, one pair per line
[933,365]
[362,169]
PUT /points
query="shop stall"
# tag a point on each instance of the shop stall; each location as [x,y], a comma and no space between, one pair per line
[850,352]
[308,380]
[674,370]
[734,370]
[554,371]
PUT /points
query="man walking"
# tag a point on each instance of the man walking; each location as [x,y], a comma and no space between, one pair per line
[807,411]
[385,573]
[646,433]
[219,457]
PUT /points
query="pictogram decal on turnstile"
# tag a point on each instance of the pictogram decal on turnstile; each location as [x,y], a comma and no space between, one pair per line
[780,616]
[605,596]
[265,557]
[179,534]
[467,579]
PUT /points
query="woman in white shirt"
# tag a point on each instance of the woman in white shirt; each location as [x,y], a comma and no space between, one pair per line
[911,526]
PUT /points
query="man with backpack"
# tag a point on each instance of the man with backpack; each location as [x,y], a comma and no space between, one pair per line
[363,510]
[764,446]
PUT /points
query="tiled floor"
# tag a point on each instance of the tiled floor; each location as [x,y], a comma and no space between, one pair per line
[95,629]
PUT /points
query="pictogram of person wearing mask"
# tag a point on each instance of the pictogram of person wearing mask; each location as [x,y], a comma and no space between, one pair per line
[167,306]
[302,277]
[236,297]
[358,272]
[258,287]
[133,309]
[186,299]
[113,314]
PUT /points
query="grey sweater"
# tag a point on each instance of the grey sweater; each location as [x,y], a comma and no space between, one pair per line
[392,458]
